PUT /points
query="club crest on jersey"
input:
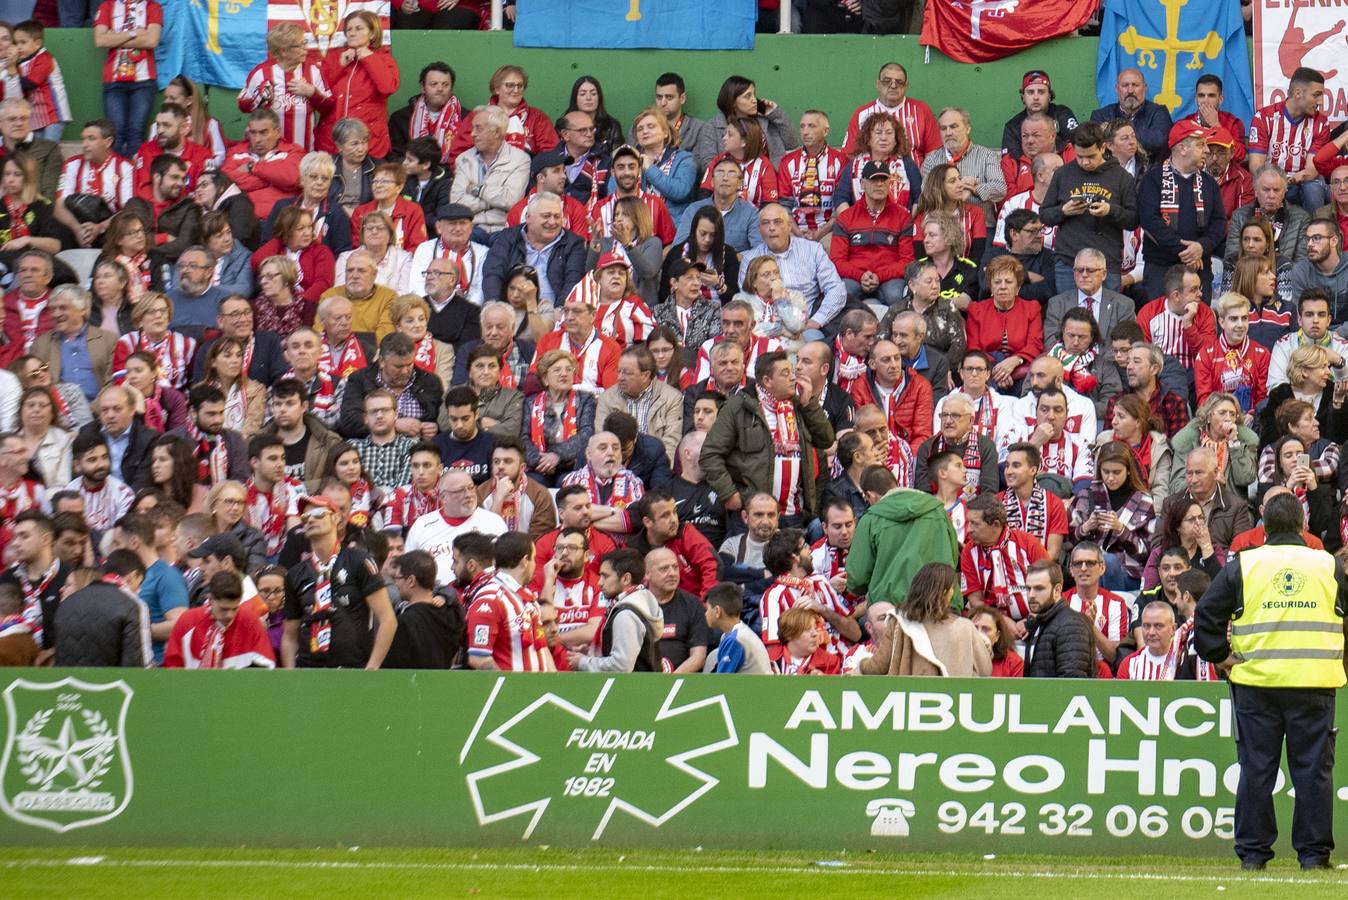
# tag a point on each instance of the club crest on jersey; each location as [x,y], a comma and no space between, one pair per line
[65,762]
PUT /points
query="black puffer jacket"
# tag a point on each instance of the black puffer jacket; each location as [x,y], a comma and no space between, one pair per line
[1059,644]
[102,625]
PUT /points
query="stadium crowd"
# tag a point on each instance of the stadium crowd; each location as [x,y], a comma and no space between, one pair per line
[434,386]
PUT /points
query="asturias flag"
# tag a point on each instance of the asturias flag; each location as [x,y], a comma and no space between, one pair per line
[631,24]
[974,31]
[1174,43]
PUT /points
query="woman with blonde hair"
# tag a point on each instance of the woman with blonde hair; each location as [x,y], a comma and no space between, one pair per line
[633,232]
[558,420]
[411,315]
[943,239]
[925,636]
[1219,425]
[1309,378]
[26,219]
[666,169]
[226,504]
[175,350]
[779,311]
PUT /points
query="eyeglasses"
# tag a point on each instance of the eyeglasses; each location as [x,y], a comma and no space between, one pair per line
[589,130]
[237,314]
[456,492]
[952,416]
[435,273]
[1338,182]
[893,82]
[195,266]
[1086,563]
[1087,270]
[1316,238]
[271,592]
[513,85]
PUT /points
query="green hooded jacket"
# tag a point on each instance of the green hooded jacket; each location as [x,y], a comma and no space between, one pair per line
[897,536]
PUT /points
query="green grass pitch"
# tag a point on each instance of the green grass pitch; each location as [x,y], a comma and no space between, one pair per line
[90,873]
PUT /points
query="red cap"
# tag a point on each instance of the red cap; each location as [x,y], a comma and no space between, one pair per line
[1187,128]
[1222,137]
[307,501]
[1035,76]
[611,258]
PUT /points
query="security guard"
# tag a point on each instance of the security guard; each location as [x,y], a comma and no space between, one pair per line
[1285,604]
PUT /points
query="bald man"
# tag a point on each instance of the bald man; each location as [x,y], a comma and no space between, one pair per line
[128,438]
[458,514]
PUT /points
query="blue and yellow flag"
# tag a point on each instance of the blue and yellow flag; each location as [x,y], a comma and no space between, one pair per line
[1174,43]
[212,41]
[631,24]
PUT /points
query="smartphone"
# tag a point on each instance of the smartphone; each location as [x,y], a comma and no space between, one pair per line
[1304,460]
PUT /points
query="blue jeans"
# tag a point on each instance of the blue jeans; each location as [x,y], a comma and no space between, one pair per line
[127,104]
[75,13]
[1062,276]
[52,132]
[888,292]
[1309,195]
[1115,578]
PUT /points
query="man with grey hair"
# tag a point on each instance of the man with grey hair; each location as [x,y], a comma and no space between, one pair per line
[980,167]
[956,433]
[1041,173]
[1109,308]
[75,351]
[909,331]
[127,437]
[1270,204]
[16,133]
[556,255]
[195,300]
[369,301]
[492,176]
[497,325]
[1143,371]
[25,313]
[1225,513]
[804,265]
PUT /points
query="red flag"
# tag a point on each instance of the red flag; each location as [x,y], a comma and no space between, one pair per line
[976,31]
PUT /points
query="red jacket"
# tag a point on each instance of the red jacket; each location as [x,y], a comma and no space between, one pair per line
[318,267]
[409,223]
[196,156]
[1237,187]
[697,560]
[265,179]
[1022,326]
[598,364]
[13,327]
[529,129]
[910,411]
[1197,336]
[359,90]
[883,244]
[1211,364]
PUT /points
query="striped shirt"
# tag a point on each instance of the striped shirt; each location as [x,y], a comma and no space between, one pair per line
[999,571]
[125,16]
[47,96]
[104,505]
[919,125]
[1023,200]
[506,627]
[113,180]
[1111,613]
[809,180]
[757,345]
[805,267]
[1287,143]
[577,601]
[780,597]
[1143,666]
[267,87]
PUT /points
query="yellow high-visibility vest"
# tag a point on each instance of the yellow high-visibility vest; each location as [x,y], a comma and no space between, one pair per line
[1289,633]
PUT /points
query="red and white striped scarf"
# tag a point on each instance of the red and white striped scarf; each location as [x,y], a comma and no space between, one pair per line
[324,397]
[349,358]
[30,312]
[1203,671]
[901,460]
[439,126]
[211,453]
[1003,568]
[786,451]
[267,512]
[973,461]
[538,412]
[513,506]
[320,628]
[626,487]
[174,352]
[32,595]
[850,367]
[424,359]
[627,321]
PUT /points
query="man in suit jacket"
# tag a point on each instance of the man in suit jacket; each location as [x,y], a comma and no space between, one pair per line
[1108,307]
[128,439]
[87,350]
[266,359]
[657,407]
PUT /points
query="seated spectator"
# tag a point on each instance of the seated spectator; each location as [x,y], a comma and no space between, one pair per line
[596,355]
[1225,513]
[233,262]
[393,264]
[1066,455]
[666,170]
[1108,307]
[215,193]
[957,434]
[221,453]
[111,288]
[279,306]
[522,289]
[1006,327]
[738,99]
[527,128]
[995,562]
[27,221]
[1030,508]
[872,242]
[1287,220]
[73,352]
[1325,267]
[738,217]
[493,175]
[332,226]
[267,169]
[411,316]
[1117,514]
[166,209]
[744,142]
[1143,371]
[903,396]
[1037,135]
[417,496]
[1041,171]
[245,399]
[1087,368]
[882,139]
[288,83]
[174,350]
[1150,120]
[464,446]
[170,136]
[195,300]
[524,504]
[1308,379]
[547,172]
[585,169]
[1292,469]
[657,407]
[452,242]
[1297,418]
[612,487]
[419,393]
[908,330]
[308,356]
[943,326]
[384,453]
[740,649]
[406,216]
[668,354]
[587,96]
[891,86]
[541,242]
[630,238]
[1025,242]
[804,267]
[728,377]
[45,441]
[1234,363]
[1218,423]
[1006,662]
[1135,425]
[500,409]
[944,190]
[1271,317]
[369,300]
[943,240]
[353,166]
[434,112]
[692,317]
[979,167]
[161,407]
[1233,179]
[1184,526]
[1313,316]
[497,321]
[780,312]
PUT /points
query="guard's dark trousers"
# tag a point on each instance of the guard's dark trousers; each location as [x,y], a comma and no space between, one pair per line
[1304,717]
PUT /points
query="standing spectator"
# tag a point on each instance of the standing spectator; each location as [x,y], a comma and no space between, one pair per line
[163,591]
[925,636]
[738,99]
[1059,641]
[105,623]
[979,167]
[901,530]
[337,610]
[129,30]
[683,642]
[220,634]
[505,630]
[1150,121]
[808,177]
[465,15]
[431,628]
[289,84]
[1180,210]
[1029,507]
[1091,188]
[434,112]
[40,78]
[1290,133]
[891,88]
[362,75]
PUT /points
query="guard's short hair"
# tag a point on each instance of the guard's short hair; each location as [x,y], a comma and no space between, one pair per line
[1283,515]
[511,549]
[476,546]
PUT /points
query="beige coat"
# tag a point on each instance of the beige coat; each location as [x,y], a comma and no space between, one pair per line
[492,197]
[953,648]
[101,341]
[665,420]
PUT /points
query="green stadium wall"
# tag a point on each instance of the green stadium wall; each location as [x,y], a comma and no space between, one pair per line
[835,73]
[108,757]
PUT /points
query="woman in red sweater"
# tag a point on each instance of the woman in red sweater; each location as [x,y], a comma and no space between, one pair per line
[1007,327]
[1006,662]
[362,76]
[294,238]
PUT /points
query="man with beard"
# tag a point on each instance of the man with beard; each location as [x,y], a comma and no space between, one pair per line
[1325,268]
[828,555]
[575,509]
[684,639]
[625,181]
[106,499]
[661,528]
[523,502]
[611,487]
[220,452]
[628,642]
[166,208]
[505,632]
[307,441]
[171,127]
[790,561]
[333,597]
[572,589]
[37,573]
[418,393]
[1022,413]
[1150,121]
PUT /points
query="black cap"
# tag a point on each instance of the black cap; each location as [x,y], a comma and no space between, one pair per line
[874,169]
[456,211]
[681,267]
[557,157]
[221,545]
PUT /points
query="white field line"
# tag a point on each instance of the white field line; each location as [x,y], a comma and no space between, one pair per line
[1233,877]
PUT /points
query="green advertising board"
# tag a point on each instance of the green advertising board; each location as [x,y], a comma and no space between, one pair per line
[311,759]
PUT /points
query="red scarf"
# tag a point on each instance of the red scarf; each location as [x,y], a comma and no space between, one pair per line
[425,354]
[350,359]
[513,505]
[1142,453]
[538,412]
[850,367]
[32,596]
[973,462]
[63,408]
[507,379]
[212,456]
[439,126]
[30,313]
[361,497]
[271,519]
[17,226]
[786,455]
